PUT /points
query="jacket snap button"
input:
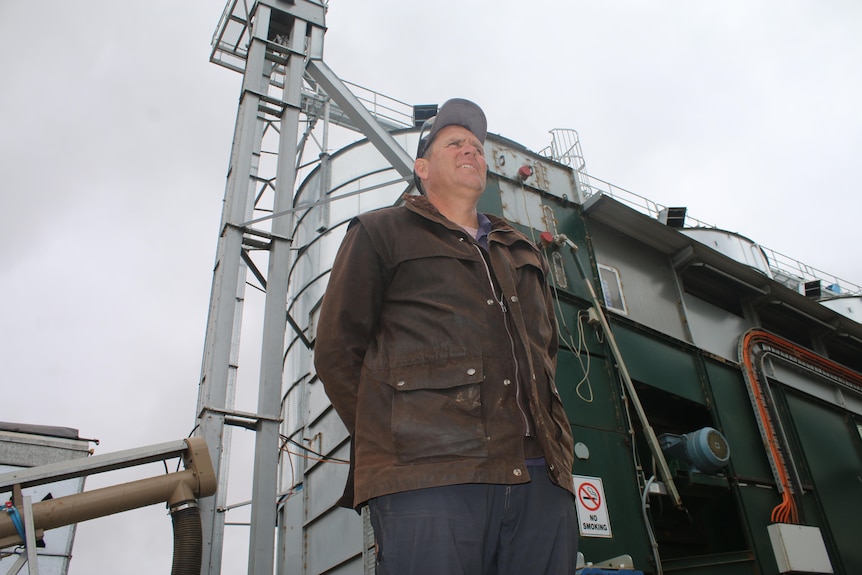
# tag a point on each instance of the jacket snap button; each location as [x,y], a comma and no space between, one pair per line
[551,467]
[517,472]
[514,299]
[490,302]
[400,383]
[507,382]
[471,371]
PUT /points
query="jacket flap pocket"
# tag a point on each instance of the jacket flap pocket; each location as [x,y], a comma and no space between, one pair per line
[526,256]
[437,374]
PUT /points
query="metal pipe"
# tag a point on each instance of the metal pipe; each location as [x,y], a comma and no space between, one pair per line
[652,440]
[173,488]
[62,470]
[197,480]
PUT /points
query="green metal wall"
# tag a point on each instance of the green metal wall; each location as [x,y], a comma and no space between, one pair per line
[722,530]
[831,452]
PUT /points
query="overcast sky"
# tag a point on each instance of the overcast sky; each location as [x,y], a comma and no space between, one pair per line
[115,132]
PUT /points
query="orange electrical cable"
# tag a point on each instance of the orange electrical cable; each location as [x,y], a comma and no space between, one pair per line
[787,506]
[786,511]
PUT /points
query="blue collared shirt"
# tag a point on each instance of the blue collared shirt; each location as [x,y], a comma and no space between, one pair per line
[484,230]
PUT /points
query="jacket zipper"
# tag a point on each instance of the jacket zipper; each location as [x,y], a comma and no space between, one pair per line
[502,303]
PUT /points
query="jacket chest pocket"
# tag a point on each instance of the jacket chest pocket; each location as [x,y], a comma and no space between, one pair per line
[437,411]
[527,263]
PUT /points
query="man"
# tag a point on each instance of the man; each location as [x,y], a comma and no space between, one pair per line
[437,346]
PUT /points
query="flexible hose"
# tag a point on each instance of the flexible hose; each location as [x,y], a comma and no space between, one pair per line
[650,532]
[188,540]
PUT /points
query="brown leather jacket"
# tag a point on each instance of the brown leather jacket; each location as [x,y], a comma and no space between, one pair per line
[439,357]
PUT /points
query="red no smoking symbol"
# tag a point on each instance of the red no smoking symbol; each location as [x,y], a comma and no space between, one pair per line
[589,496]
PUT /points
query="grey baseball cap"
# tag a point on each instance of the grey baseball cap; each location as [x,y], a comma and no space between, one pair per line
[455,112]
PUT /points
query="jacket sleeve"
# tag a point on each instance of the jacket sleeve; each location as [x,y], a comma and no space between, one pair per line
[347,320]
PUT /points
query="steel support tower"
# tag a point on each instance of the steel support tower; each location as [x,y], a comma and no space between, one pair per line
[287,90]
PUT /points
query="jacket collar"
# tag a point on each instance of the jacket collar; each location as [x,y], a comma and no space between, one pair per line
[423,207]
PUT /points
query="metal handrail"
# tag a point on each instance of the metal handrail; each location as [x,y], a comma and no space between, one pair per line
[563,150]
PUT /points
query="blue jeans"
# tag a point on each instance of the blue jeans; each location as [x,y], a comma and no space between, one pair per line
[477,529]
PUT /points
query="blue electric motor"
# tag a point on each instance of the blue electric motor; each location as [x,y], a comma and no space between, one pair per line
[705,450]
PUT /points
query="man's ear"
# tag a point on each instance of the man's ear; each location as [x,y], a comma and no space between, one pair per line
[420,166]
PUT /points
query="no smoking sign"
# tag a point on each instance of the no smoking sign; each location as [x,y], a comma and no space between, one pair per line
[592,509]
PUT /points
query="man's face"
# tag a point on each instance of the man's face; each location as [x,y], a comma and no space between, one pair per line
[454,165]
